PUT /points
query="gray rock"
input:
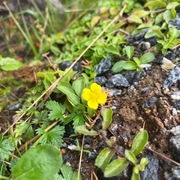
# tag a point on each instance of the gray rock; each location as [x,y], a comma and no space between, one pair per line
[177,105]
[101,80]
[172,78]
[175,146]
[151,170]
[104,66]
[117,80]
[174,175]
[175,22]
[175,130]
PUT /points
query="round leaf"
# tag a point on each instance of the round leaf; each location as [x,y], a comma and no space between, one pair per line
[41,162]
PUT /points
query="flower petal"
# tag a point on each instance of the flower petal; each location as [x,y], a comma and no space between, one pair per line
[95,88]
[86,94]
[92,104]
[102,98]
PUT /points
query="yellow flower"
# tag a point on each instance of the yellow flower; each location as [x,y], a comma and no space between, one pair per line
[94,96]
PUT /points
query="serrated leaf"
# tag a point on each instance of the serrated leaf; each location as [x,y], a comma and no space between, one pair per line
[57,110]
[53,137]
[115,167]
[41,162]
[139,142]
[83,130]
[107,117]
[130,156]
[78,86]
[68,173]
[21,127]
[6,147]
[9,64]
[66,88]
[147,57]
[104,158]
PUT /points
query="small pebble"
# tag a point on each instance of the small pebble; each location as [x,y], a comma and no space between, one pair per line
[117,80]
[173,77]
[175,146]
[174,175]
[104,66]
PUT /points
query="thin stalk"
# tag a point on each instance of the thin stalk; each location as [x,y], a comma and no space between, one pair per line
[28,39]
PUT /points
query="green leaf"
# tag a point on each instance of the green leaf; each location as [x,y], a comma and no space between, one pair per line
[135,19]
[118,66]
[66,88]
[83,130]
[172,5]
[130,156]
[53,137]
[9,64]
[6,148]
[41,162]
[139,142]
[21,127]
[57,110]
[115,167]
[156,4]
[135,176]
[107,117]
[130,65]
[68,174]
[143,163]
[129,51]
[104,158]
[78,86]
[147,57]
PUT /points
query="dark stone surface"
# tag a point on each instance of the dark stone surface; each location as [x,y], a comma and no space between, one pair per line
[117,80]
[133,76]
[101,80]
[65,64]
[172,78]
[104,66]
[175,146]
[151,170]
[174,175]
[177,105]
[175,22]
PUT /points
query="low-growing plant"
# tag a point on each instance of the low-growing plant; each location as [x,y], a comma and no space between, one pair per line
[132,62]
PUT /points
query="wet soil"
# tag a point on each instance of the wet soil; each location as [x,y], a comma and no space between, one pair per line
[145,105]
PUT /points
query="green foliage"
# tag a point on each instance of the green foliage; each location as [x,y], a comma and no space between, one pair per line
[83,130]
[107,117]
[135,64]
[6,148]
[41,162]
[53,137]
[139,142]
[115,167]
[56,110]
[104,158]
[68,174]
[9,64]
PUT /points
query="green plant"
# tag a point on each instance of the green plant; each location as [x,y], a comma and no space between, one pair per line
[133,63]
[104,159]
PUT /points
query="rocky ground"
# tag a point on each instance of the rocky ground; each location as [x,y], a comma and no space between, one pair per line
[148,99]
